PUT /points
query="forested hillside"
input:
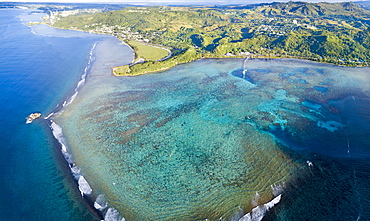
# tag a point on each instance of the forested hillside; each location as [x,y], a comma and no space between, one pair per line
[330,32]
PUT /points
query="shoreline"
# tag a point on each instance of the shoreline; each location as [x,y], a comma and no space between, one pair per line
[229,57]
[256,56]
[221,56]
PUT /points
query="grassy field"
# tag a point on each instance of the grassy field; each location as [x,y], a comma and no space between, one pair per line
[121,69]
[148,52]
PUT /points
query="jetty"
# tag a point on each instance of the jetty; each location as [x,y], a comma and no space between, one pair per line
[245,66]
[32,117]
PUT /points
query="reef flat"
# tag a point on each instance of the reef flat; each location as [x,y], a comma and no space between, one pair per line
[202,140]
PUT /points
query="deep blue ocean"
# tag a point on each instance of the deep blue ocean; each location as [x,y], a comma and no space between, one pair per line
[36,73]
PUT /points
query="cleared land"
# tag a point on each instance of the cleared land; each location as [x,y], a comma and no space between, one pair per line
[121,70]
[147,52]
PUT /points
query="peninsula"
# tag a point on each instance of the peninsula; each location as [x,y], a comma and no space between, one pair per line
[336,33]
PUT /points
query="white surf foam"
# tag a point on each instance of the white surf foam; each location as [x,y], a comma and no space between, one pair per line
[47,117]
[33,31]
[75,171]
[58,134]
[258,212]
[82,80]
[70,100]
[113,215]
[100,202]
[84,186]
[81,83]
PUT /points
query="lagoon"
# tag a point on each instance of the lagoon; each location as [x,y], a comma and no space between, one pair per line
[202,141]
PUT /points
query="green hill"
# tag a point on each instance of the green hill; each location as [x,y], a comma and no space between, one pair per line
[318,9]
[330,32]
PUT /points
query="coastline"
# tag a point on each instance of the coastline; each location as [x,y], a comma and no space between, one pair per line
[131,48]
[230,57]
[208,56]
[88,196]
[257,56]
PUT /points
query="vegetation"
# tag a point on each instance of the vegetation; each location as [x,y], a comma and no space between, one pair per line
[337,33]
[147,52]
[121,69]
[155,66]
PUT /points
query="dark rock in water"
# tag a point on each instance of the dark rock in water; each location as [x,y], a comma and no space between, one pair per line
[32,117]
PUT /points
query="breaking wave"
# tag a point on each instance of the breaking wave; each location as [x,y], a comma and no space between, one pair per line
[113,215]
[80,83]
[83,185]
[82,80]
[100,204]
[258,212]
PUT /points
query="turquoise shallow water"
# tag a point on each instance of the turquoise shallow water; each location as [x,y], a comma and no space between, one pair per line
[174,145]
[202,141]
